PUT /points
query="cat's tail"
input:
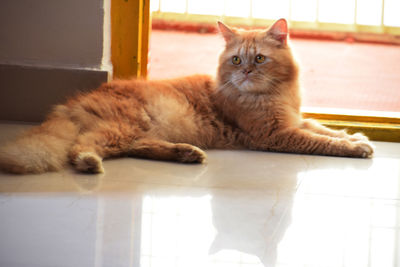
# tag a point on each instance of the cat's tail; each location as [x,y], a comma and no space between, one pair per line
[44,148]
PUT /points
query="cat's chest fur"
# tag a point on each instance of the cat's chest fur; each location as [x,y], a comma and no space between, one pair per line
[254,114]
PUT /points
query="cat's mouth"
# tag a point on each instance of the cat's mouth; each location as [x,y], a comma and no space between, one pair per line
[244,82]
[246,78]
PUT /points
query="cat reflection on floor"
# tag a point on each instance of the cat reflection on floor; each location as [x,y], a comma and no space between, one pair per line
[252,223]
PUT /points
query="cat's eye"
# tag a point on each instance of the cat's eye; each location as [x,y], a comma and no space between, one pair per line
[236,60]
[260,59]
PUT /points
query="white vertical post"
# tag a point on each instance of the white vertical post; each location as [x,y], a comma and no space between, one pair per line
[251,9]
[355,12]
[383,14]
[224,12]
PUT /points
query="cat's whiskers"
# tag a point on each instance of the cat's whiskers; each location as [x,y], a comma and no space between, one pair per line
[221,89]
[267,84]
[224,86]
[228,95]
[272,84]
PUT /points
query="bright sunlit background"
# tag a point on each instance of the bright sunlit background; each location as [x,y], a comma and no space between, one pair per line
[363,12]
[345,66]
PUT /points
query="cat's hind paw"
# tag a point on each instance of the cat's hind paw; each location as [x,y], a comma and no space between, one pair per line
[190,154]
[89,162]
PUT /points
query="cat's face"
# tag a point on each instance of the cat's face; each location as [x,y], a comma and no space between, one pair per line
[256,61]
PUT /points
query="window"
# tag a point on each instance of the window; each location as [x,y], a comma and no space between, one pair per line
[348,50]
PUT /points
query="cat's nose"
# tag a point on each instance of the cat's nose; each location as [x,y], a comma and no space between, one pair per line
[247,71]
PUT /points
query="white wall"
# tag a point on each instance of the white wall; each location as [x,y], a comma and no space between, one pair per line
[49,50]
[52,33]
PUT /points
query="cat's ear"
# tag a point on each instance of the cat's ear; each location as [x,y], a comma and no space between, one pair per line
[226,32]
[279,31]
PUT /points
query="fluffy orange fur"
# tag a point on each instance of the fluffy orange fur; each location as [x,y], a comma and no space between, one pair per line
[254,103]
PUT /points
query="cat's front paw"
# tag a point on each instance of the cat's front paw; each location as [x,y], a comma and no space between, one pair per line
[190,154]
[358,137]
[364,149]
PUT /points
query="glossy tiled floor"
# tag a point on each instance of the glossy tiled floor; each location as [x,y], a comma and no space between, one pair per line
[241,209]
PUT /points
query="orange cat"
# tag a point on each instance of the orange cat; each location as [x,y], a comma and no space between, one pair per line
[253,104]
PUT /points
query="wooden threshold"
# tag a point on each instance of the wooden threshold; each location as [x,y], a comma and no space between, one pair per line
[378,126]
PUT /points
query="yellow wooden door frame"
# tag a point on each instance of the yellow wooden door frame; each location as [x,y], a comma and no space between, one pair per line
[130,30]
